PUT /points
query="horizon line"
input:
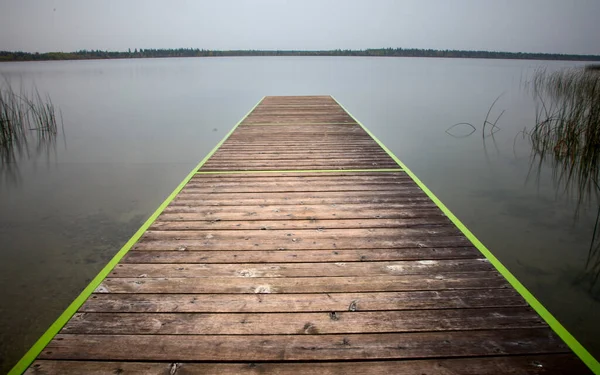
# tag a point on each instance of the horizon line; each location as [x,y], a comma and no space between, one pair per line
[129,50]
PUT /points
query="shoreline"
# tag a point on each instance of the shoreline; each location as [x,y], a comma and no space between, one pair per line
[17,56]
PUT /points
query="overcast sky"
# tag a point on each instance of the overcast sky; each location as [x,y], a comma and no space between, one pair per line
[554,26]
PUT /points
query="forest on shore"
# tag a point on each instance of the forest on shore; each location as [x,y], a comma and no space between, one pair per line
[195,52]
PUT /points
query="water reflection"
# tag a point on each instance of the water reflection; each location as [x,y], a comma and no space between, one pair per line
[566,136]
[29,125]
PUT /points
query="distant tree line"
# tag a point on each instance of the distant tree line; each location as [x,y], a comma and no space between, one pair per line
[195,52]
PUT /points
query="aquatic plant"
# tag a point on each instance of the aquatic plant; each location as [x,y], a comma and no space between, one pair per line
[567,136]
[567,130]
[28,123]
[592,67]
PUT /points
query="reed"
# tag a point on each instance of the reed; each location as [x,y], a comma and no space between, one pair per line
[25,118]
[567,130]
[567,135]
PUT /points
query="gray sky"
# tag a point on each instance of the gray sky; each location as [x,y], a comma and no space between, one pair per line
[554,26]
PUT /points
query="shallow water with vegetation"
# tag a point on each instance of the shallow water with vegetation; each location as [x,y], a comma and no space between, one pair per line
[134,128]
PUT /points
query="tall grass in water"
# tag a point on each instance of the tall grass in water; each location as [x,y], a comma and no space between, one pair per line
[567,135]
[28,123]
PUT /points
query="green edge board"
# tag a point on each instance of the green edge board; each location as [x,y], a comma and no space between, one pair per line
[41,343]
[304,171]
[558,328]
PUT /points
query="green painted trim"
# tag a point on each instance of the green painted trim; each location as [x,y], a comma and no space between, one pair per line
[558,328]
[305,171]
[41,343]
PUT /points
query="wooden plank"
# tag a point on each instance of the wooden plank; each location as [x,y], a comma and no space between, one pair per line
[325,243]
[329,128]
[282,165]
[297,140]
[286,167]
[257,199]
[299,144]
[247,303]
[334,133]
[334,139]
[299,198]
[260,177]
[305,211]
[349,177]
[293,157]
[303,347]
[297,148]
[285,188]
[299,235]
[302,119]
[302,212]
[331,211]
[257,285]
[297,112]
[335,322]
[304,176]
[330,131]
[289,256]
[425,222]
[245,153]
[553,364]
[283,197]
[257,184]
[329,269]
[374,238]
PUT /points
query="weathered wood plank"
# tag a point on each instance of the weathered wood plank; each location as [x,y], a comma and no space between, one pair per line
[307,256]
[300,212]
[552,364]
[247,303]
[329,269]
[284,188]
[373,238]
[299,235]
[257,285]
[324,243]
[299,198]
[303,347]
[257,185]
[302,119]
[281,165]
[239,154]
[291,157]
[424,222]
[304,176]
[298,148]
[260,179]
[335,322]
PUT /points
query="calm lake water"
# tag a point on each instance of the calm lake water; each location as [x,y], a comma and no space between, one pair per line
[135,128]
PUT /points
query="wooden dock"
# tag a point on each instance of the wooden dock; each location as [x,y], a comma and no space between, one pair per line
[302,247]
